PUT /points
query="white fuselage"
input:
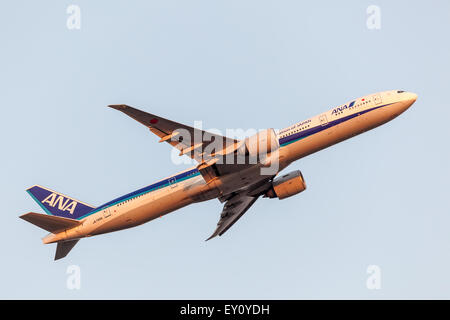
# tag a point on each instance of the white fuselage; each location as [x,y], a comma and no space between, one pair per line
[187,187]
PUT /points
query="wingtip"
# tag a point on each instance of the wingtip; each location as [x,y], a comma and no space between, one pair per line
[215,234]
[117,106]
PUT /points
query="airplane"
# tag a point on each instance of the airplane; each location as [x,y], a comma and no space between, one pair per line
[231,171]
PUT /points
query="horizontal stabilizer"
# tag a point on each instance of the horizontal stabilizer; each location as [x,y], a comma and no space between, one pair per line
[52,224]
[63,248]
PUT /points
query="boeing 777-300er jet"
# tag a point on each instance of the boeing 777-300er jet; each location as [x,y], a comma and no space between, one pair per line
[237,172]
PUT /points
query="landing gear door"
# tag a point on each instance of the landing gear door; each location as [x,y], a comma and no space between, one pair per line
[377,99]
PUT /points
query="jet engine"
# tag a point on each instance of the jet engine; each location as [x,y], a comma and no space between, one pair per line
[260,144]
[287,185]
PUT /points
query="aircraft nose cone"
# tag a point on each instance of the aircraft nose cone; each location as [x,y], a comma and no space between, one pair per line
[413,97]
[409,98]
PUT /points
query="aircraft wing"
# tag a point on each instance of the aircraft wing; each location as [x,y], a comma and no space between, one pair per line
[234,208]
[190,141]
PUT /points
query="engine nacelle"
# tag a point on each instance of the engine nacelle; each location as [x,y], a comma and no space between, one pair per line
[260,144]
[287,185]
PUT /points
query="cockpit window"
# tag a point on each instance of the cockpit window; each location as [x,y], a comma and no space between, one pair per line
[400,91]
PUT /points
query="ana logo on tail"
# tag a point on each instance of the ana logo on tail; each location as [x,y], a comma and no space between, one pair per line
[63,204]
[57,204]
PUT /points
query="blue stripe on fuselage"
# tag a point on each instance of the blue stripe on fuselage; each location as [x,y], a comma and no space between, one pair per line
[306,133]
[158,185]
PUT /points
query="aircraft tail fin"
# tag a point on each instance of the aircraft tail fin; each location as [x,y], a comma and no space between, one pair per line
[50,223]
[57,204]
[63,248]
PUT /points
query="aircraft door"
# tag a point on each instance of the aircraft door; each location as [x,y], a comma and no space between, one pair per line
[377,99]
[323,120]
[106,212]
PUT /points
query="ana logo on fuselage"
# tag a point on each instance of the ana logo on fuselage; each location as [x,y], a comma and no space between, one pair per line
[63,204]
[340,109]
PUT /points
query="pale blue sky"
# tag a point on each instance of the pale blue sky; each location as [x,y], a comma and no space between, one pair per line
[380,198]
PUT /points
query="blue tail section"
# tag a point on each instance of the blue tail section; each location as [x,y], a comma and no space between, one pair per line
[57,204]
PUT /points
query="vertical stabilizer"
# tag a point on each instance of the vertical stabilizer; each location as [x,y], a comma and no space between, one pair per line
[57,204]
